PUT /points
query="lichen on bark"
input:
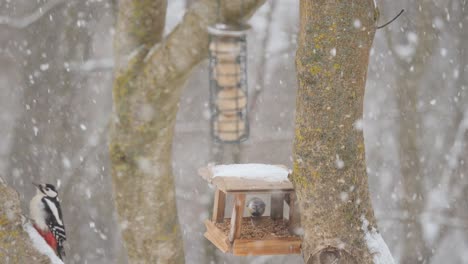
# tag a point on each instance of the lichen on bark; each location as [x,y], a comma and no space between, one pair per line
[15,244]
[329,171]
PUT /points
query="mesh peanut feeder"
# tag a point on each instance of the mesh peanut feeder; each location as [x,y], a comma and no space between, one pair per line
[228,83]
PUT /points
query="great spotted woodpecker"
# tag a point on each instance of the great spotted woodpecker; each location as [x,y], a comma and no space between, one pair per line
[47,217]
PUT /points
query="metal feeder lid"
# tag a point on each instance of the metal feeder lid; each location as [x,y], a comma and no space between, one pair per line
[233,30]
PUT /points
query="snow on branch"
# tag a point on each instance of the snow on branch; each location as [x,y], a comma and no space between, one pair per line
[91,65]
[40,244]
[439,197]
[27,20]
[376,245]
[457,148]
[187,44]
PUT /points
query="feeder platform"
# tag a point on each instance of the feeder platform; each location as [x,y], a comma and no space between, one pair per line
[243,236]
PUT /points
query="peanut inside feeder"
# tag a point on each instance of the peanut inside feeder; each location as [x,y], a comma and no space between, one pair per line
[225,46]
[229,127]
[227,74]
[231,100]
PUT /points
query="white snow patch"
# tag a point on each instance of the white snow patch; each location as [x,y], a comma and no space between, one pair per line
[405,51]
[253,171]
[339,163]
[376,245]
[145,165]
[83,127]
[124,225]
[88,193]
[443,52]
[412,37]
[104,237]
[359,125]
[40,244]
[456,73]
[44,67]
[344,196]
[357,23]
[438,23]
[66,162]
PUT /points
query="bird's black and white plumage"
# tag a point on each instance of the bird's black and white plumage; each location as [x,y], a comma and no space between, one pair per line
[47,216]
[256,207]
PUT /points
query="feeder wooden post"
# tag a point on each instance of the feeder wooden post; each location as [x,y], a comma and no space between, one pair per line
[277,206]
[218,206]
[293,221]
[236,219]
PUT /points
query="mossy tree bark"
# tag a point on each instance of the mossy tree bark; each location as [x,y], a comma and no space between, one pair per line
[149,77]
[329,163]
[15,244]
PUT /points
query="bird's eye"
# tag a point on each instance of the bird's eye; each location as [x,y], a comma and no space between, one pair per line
[47,189]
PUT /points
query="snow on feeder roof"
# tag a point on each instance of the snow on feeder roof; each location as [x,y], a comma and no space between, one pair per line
[248,177]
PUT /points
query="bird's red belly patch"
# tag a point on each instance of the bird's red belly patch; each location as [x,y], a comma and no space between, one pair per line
[48,237]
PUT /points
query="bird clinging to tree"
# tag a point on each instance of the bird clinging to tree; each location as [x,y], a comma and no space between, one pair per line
[46,215]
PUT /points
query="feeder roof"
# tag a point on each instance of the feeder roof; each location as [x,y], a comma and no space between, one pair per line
[233,30]
[248,177]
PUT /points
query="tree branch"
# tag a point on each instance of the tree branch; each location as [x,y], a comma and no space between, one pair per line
[27,20]
[262,65]
[146,94]
[139,23]
[187,45]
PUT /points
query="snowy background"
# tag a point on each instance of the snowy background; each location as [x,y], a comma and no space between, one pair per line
[55,103]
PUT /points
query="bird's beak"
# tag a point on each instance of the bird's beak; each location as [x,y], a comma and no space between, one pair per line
[36,184]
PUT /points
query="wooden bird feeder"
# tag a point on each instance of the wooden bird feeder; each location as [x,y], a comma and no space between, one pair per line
[240,233]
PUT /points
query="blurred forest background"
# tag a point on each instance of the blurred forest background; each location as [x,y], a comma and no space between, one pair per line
[55,105]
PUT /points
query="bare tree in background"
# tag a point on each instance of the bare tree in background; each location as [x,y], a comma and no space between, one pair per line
[415,249]
[48,42]
[329,162]
[149,77]
[432,181]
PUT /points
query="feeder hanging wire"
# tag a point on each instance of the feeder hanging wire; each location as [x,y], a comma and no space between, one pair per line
[389,22]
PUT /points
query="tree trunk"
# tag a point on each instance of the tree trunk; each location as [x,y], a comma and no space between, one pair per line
[46,138]
[329,163]
[15,244]
[147,87]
